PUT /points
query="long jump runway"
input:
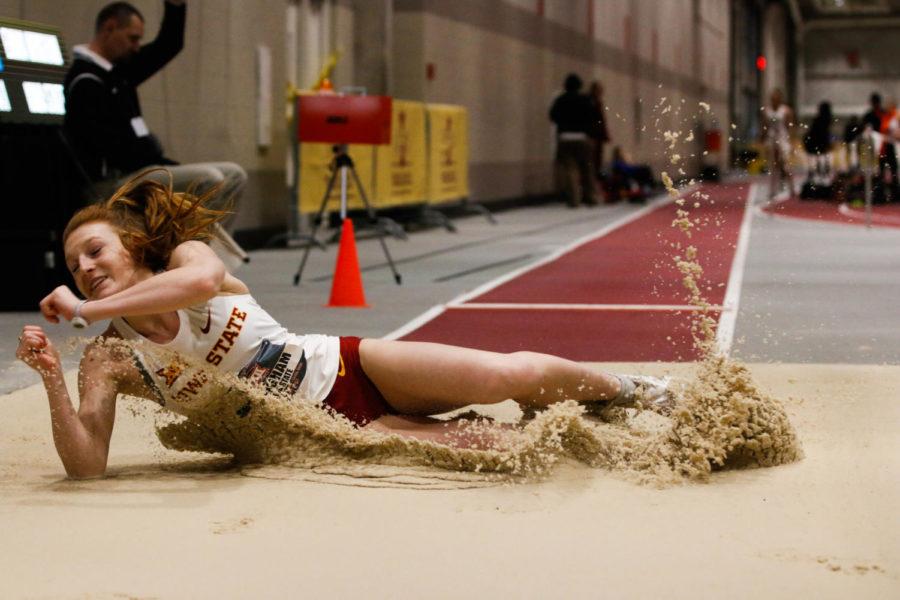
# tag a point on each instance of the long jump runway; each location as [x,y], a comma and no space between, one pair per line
[615,295]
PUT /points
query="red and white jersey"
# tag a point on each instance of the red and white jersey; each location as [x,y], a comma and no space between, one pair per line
[234,334]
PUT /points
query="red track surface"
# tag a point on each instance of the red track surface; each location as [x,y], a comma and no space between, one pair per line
[585,335]
[819,210]
[631,265]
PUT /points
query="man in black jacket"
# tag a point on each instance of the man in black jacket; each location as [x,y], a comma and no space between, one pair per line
[103,115]
[574,116]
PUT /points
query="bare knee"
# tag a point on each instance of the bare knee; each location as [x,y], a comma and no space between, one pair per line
[516,375]
[213,176]
[236,173]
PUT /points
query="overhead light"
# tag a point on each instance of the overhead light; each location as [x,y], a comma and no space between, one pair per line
[847,7]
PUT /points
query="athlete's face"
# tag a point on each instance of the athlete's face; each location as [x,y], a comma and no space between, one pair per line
[120,42]
[99,262]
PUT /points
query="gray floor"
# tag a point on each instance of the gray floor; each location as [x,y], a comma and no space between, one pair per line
[820,293]
[812,292]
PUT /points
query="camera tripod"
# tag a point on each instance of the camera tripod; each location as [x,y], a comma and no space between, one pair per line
[343,164]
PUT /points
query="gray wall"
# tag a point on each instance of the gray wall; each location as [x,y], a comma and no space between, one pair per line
[505,62]
[500,58]
[829,76]
[203,104]
[775,45]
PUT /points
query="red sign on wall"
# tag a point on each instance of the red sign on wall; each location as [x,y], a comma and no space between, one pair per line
[344,119]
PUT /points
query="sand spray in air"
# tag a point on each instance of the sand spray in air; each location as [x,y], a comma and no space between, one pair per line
[720,408]
[721,420]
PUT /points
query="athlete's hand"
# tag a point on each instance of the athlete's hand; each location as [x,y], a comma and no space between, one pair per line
[61,302]
[37,351]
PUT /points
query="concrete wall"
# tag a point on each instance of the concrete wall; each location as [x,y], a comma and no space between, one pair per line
[503,59]
[829,75]
[775,45]
[203,104]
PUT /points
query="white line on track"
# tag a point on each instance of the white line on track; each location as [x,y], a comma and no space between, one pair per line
[435,311]
[728,318]
[515,306]
[430,314]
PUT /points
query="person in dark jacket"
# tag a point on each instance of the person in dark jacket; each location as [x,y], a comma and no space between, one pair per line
[820,162]
[574,116]
[818,140]
[103,118]
[878,120]
[873,117]
[598,131]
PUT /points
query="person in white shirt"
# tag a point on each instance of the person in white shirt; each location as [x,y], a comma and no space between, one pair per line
[778,119]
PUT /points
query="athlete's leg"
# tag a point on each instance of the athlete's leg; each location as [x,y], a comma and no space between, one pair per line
[229,178]
[233,179]
[787,170]
[585,162]
[774,171]
[419,378]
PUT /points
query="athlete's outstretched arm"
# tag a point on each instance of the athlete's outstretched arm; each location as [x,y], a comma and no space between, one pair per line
[194,274]
[81,436]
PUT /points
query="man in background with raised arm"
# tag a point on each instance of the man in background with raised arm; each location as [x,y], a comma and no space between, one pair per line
[103,114]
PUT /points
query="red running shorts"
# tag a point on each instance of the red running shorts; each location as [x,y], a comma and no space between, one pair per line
[353,394]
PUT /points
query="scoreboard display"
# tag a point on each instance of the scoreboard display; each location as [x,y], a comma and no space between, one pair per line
[37,172]
[32,69]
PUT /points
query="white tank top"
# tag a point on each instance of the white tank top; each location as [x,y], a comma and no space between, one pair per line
[776,124]
[234,334]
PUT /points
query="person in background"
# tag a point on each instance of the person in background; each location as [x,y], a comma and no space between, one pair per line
[818,139]
[104,122]
[573,114]
[873,117]
[852,130]
[817,143]
[871,124]
[886,188]
[598,132]
[629,180]
[778,118]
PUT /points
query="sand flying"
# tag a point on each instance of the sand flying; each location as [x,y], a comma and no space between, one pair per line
[722,420]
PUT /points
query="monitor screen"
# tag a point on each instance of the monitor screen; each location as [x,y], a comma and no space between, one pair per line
[31,46]
[43,48]
[5,106]
[44,98]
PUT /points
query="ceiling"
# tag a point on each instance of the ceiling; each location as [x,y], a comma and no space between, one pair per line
[861,10]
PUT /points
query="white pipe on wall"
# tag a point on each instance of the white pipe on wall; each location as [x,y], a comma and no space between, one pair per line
[291,16]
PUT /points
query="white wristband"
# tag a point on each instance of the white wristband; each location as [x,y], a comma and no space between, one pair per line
[79,322]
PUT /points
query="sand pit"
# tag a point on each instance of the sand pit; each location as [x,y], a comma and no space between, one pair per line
[168,524]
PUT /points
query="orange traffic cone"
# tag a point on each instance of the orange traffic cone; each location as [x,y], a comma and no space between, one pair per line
[346,287]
